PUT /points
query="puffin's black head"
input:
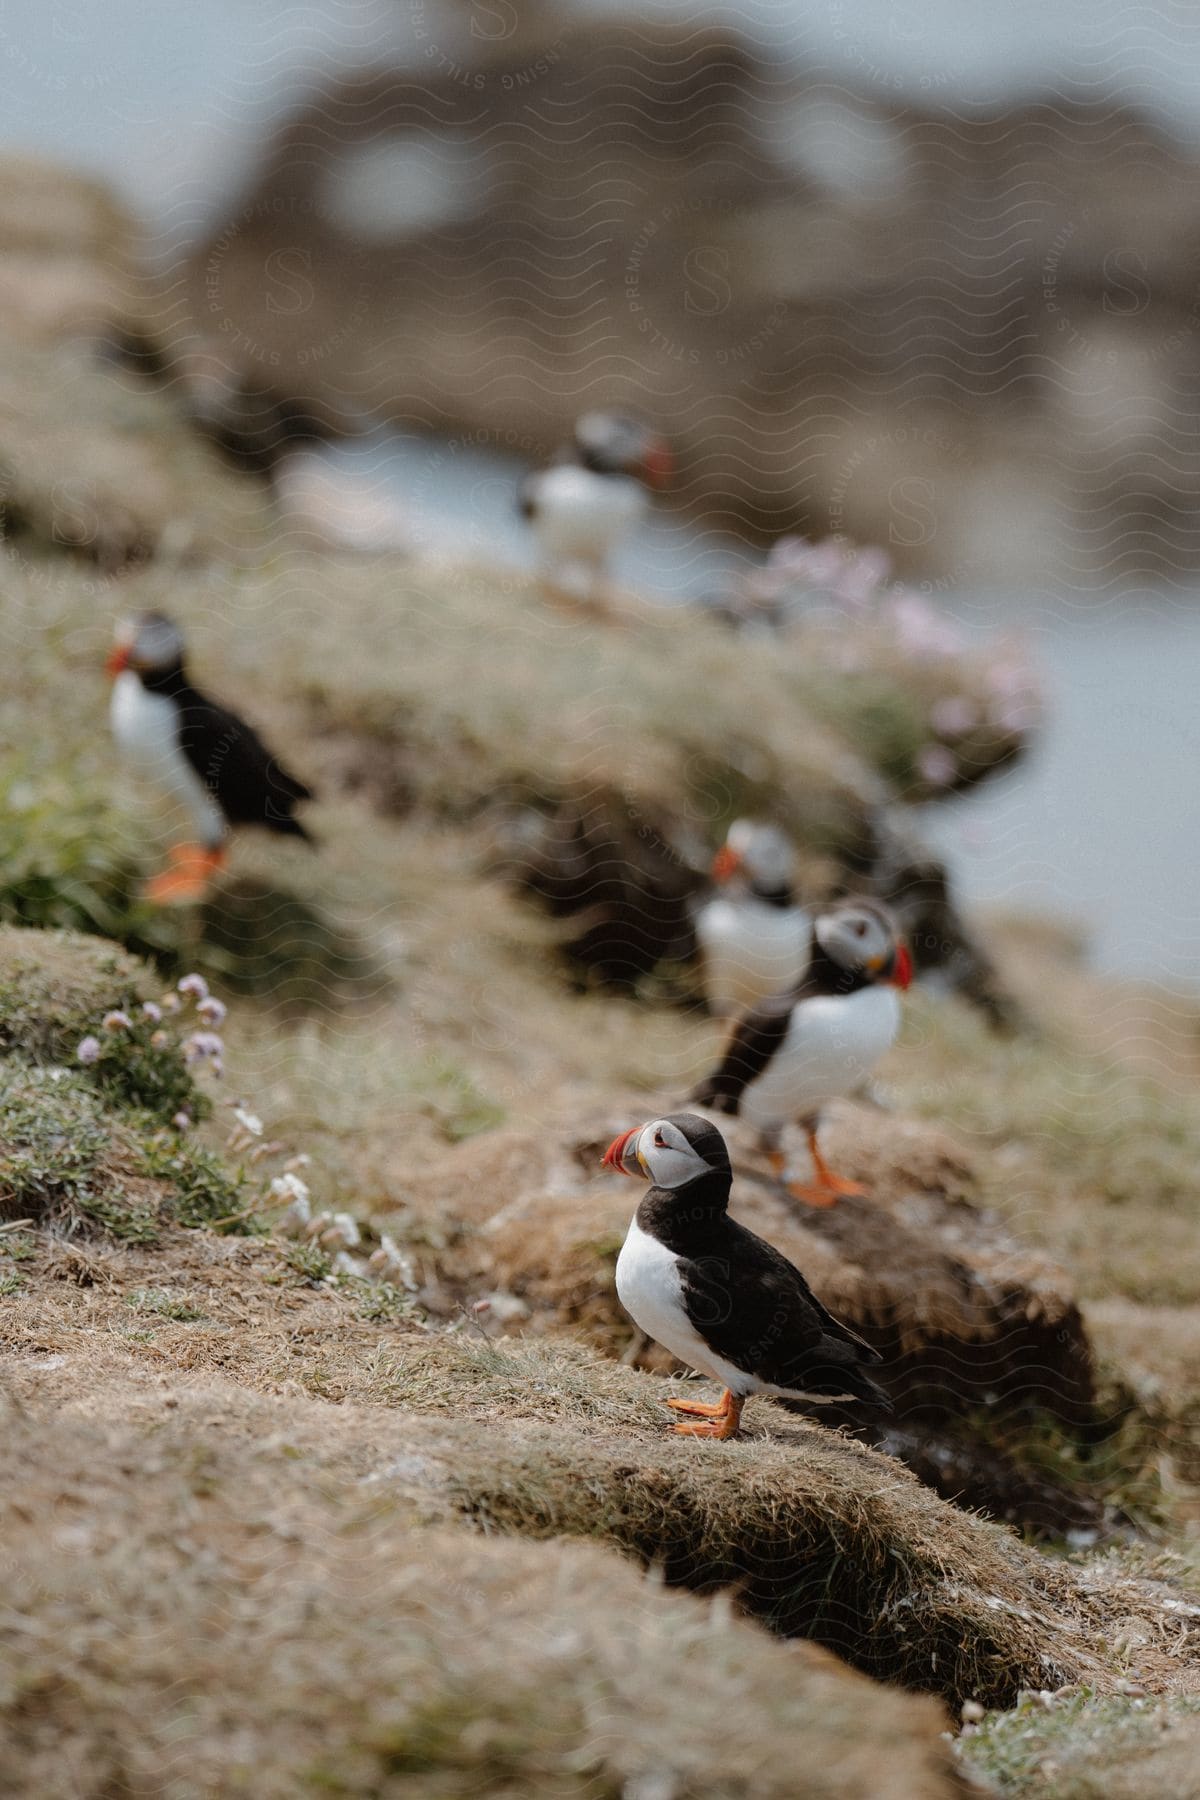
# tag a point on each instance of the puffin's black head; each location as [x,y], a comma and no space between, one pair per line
[149,643]
[670,1152]
[862,937]
[614,444]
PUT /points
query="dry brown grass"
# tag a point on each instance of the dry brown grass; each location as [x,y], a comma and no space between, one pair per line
[211,1342]
[236,1621]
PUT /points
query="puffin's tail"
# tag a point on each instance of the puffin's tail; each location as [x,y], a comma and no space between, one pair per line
[870,1392]
[847,1386]
[287,825]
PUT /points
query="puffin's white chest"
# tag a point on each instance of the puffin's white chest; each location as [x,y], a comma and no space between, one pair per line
[832,1044]
[145,727]
[650,1290]
[580,516]
[751,951]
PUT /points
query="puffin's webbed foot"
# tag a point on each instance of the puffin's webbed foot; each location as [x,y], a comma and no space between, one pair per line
[702,1408]
[719,1421]
[187,877]
[827,1189]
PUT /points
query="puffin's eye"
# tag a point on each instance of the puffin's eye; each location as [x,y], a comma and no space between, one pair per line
[860,930]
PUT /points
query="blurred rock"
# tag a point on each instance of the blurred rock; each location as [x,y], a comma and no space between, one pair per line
[910,324]
[94,460]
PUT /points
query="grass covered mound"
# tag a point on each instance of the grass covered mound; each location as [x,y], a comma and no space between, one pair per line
[93,1095]
[235,1621]
[208,1343]
[1083,1747]
[985,1351]
[54,987]
[94,462]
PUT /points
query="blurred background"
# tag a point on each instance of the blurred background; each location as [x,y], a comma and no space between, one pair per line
[921,276]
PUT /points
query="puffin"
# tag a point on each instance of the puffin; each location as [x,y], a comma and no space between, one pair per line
[210,762]
[753,935]
[595,493]
[718,1297]
[788,1056]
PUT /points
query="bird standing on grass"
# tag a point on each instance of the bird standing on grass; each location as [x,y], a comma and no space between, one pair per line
[790,1055]
[581,507]
[718,1297]
[753,935]
[210,762]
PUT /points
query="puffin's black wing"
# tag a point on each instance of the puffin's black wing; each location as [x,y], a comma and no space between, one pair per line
[757,1312]
[755,1038]
[249,785]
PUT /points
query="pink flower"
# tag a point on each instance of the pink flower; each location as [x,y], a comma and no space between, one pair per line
[825,562]
[159,1040]
[212,1010]
[182,1121]
[921,631]
[937,765]
[117,1021]
[953,715]
[151,1011]
[195,986]
[202,1044]
[89,1050]
[861,578]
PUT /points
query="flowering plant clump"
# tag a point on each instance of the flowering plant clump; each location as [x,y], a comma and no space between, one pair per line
[144,1055]
[969,707]
[149,1056]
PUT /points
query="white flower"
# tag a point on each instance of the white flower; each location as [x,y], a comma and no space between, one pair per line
[117,1021]
[339,1232]
[298,1215]
[193,985]
[182,1121]
[212,1011]
[89,1050]
[290,1187]
[249,1122]
[392,1264]
[152,1011]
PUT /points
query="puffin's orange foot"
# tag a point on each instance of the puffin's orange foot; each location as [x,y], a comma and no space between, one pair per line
[186,878]
[720,1421]
[702,1408]
[825,1192]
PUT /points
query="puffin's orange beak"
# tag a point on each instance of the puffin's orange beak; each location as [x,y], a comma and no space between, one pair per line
[902,969]
[726,864]
[118,659]
[614,1156]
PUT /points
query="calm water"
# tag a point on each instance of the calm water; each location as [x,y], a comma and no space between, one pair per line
[1101,823]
